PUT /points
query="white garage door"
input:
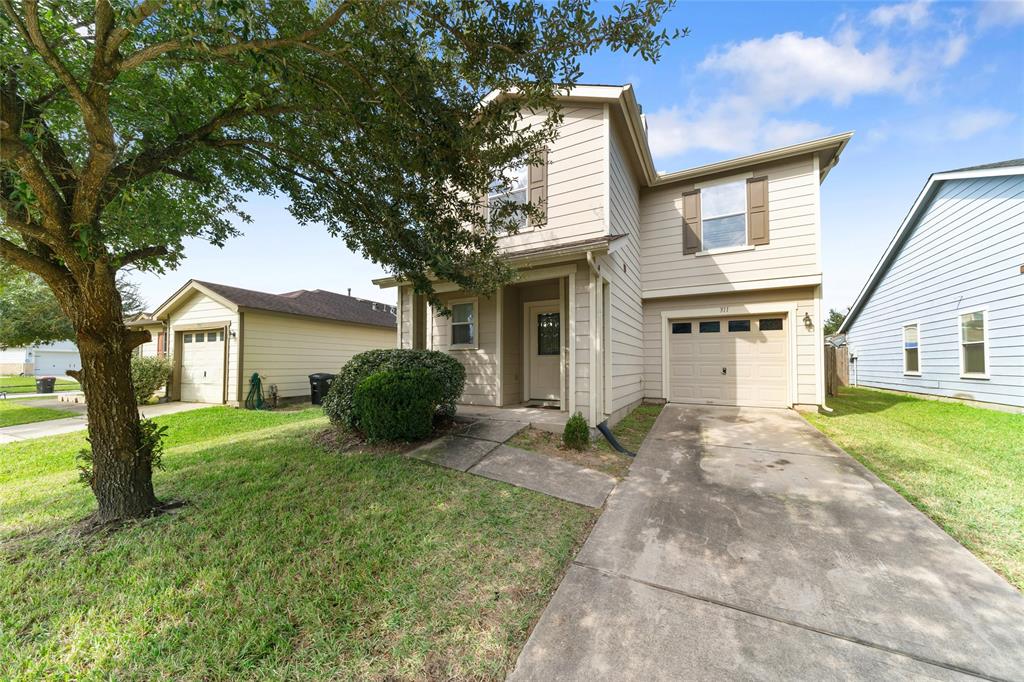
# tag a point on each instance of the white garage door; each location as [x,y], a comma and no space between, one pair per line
[729,361]
[202,366]
[55,363]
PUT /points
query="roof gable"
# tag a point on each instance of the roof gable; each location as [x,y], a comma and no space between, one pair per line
[921,204]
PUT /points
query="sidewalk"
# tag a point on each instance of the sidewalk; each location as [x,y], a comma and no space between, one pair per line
[57,427]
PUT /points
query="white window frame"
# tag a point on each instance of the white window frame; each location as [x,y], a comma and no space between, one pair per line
[746,245]
[524,171]
[903,348]
[960,342]
[476,325]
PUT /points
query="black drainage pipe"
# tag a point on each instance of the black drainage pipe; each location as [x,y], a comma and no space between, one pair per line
[610,437]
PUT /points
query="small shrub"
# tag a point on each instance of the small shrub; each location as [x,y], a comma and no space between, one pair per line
[446,371]
[576,434]
[397,404]
[149,374]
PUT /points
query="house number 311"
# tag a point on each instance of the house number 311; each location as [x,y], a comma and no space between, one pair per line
[724,309]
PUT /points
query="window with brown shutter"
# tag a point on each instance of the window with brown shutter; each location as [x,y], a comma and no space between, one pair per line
[161,341]
[757,211]
[538,184]
[691,221]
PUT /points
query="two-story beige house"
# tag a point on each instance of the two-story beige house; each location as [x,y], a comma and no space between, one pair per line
[699,286]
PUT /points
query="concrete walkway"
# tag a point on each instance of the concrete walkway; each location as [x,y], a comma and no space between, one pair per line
[477,448]
[743,545]
[56,427]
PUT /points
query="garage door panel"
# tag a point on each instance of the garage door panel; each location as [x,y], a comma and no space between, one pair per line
[756,363]
[202,366]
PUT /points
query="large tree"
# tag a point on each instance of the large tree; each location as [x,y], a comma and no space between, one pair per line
[126,128]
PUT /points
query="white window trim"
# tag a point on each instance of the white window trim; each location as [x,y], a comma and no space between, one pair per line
[527,225]
[476,325]
[960,342]
[903,348]
[741,177]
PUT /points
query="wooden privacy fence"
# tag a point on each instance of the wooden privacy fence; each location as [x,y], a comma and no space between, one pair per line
[837,368]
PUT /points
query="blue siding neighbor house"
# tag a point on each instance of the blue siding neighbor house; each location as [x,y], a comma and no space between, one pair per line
[943,311]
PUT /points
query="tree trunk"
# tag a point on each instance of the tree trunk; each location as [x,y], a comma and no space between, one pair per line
[122,468]
[122,473]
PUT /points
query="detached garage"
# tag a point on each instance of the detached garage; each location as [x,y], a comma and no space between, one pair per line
[217,336]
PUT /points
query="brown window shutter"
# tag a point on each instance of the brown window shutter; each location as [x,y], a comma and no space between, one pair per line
[161,340]
[757,211]
[691,221]
[537,181]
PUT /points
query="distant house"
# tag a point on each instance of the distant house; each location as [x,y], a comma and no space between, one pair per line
[217,336]
[943,311]
[53,359]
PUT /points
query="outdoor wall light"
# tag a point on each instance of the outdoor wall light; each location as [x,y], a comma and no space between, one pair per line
[807,321]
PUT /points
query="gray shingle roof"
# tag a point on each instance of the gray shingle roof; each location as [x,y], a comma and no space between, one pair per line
[316,303]
[985,166]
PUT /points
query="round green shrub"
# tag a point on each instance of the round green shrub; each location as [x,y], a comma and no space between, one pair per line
[576,434]
[149,374]
[448,372]
[397,404]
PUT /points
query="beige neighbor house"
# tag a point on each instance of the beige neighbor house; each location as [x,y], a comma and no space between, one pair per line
[218,336]
[696,286]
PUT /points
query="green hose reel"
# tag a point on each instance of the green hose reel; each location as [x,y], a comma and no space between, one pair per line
[255,401]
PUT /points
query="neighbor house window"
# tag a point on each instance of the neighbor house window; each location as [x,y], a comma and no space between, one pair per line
[515,194]
[911,350]
[463,324]
[724,215]
[973,351]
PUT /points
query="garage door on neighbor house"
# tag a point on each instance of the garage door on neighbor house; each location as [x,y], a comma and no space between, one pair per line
[729,361]
[202,366]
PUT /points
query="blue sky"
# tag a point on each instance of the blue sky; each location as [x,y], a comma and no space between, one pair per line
[927,86]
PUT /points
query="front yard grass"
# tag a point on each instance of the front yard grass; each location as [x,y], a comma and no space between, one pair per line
[13,412]
[28,385]
[631,431]
[288,561]
[962,466]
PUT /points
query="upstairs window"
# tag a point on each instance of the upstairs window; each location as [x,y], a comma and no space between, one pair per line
[518,178]
[724,215]
[973,346]
[911,350]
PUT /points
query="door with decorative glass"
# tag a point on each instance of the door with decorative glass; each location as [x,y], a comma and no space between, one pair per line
[544,351]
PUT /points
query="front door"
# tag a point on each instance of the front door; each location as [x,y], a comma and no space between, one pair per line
[545,352]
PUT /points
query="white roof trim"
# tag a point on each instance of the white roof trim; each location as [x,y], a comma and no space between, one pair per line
[188,288]
[922,200]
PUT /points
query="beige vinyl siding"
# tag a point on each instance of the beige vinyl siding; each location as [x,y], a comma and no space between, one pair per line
[481,363]
[286,349]
[577,164]
[793,210]
[201,309]
[148,349]
[808,367]
[625,307]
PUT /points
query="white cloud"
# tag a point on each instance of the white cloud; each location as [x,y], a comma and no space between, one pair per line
[956,48]
[1001,13]
[914,14]
[967,124]
[790,68]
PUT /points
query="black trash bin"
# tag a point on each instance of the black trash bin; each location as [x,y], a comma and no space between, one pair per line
[45,384]
[318,385]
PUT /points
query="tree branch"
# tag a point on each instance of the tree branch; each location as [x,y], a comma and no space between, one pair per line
[26,260]
[153,51]
[140,254]
[139,15]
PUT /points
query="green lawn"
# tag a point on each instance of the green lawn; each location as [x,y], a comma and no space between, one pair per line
[28,385]
[288,561]
[962,466]
[630,431]
[14,412]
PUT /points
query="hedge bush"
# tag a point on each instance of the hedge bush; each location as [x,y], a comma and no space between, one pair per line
[149,374]
[576,434]
[448,372]
[397,404]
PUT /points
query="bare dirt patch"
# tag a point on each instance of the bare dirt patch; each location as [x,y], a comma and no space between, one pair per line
[595,457]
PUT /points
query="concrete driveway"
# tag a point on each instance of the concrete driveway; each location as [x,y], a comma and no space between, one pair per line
[745,545]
